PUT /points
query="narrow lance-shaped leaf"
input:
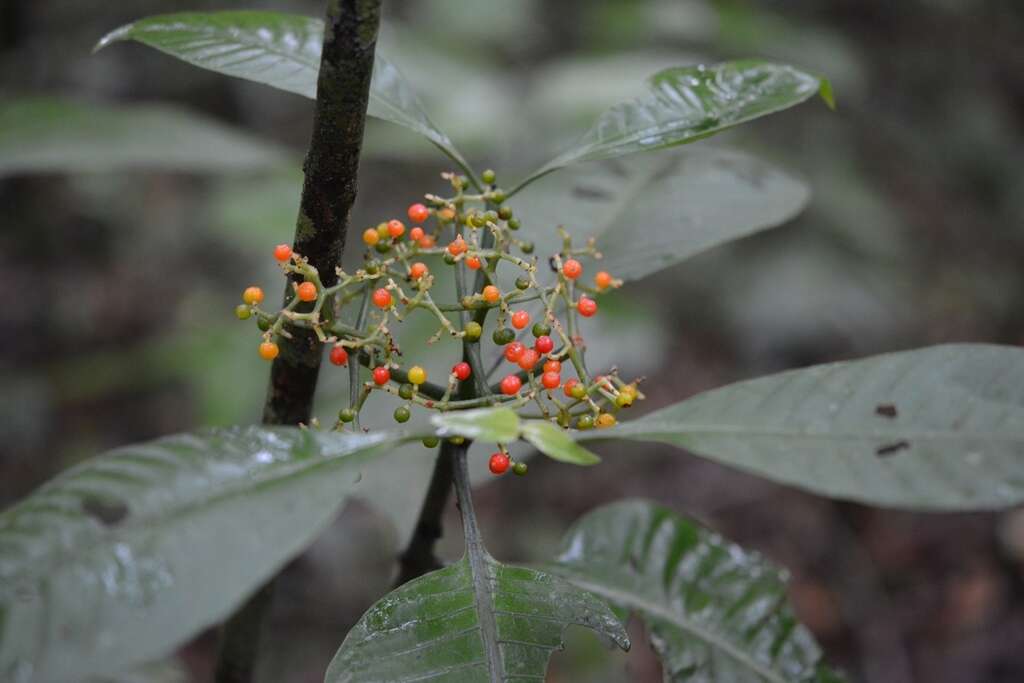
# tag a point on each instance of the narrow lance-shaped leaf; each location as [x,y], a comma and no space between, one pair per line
[40,135]
[714,611]
[120,559]
[555,442]
[685,104]
[651,211]
[940,428]
[279,50]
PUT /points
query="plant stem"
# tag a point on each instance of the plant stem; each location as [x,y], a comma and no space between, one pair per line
[328,193]
[418,558]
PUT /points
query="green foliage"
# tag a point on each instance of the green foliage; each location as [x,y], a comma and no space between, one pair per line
[940,428]
[555,442]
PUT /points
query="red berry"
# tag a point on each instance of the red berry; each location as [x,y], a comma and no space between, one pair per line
[551,380]
[553,366]
[586,306]
[520,319]
[569,384]
[462,371]
[396,228]
[417,270]
[282,252]
[427,242]
[499,463]
[457,246]
[572,269]
[381,375]
[544,344]
[307,291]
[416,234]
[528,359]
[338,355]
[511,385]
[603,279]
[418,213]
[514,351]
[382,298]
[473,263]
[492,294]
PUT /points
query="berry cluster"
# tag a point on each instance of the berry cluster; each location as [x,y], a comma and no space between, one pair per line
[535,331]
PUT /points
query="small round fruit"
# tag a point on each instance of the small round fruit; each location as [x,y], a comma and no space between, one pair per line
[382,231]
[406,391]
[462,371]
[456,440]
[427,242]
[418,270]
[396,228]
[381,376]
[513,224]
[457,246]
[514,351]
[570,384]
[417,375]
[520,319]
[252,295]
[544,344]
[624,400]
[382,298]
[522,283]
[603,279]
[492,294]
[282,252]
[526,246]
[243,312]
[416,234]
[449,259]
[431,441]
[307,292]
[520,468]
[553,366]
[528,360]
[402,414]
[605,420]
[473,263]
[346,414]
[572,269]
[504,212]
[511,385]
[446,215]
[541,329]
[488,176]
[263,324]
[585,422]
[586,306]
[472,331]
[371,236]
[503,335]
[269,350]
[579,391]
[418,213]
[338,355]
[551,380]
[498,463]
[383,247]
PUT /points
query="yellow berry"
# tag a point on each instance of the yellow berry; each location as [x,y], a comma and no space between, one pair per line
[371,236]
[417,375]
[252,295]
[605,420]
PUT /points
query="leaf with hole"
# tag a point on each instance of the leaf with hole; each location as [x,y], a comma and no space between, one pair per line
[279,50]
[714,611]
[939,428]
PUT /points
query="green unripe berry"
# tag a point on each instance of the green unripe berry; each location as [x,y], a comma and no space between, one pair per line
[527,247]
[463,181]
[263,324]
[402,414]
[578,391]
[541,329]
[478,221]
[406,391]
[372,267]
[488,177]
[498,196]
[346,414]
[491,216]
[384,247]
[473,331]
[457,440]
[513,223]
[585,422]
[522,283]
[503,335]
[623,400]
[504,213]
[243,312]
[520,468]
[431,441]
[449,259]
[467,302]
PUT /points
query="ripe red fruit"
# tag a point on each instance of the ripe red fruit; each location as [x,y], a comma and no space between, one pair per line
[338,355]
[427,242]
[511,385]
[473,263]
[382,298]
[528,359]
[544,344]
[498,463]
[457,246]
[462,371]
[418,213]
[396,228]
[603,279]
[572,269]
[491,294]
[514,351]
[269,350]
[551,380]
[282,252]
[520,319]
[553,366]
[417,270]
[586,306]
[569,384]
[381,375]
[307,291]
[416,234]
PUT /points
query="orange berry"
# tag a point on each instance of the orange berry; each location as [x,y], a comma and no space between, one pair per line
[473,263]
[446,214]
[457,246]
[553,366]
[371,236]
[307,291]
[427,242]
[528,359]
[416,234]
[603,279]
[396,228]
[551,380]
[572,269]
[252,295]
[491,294]
[418,213]
[282,252]
[269,350]
[417,270]
[569,384]
[382,298]
[520,319]
[586,306]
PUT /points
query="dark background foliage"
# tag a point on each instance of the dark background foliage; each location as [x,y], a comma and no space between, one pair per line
[116,290]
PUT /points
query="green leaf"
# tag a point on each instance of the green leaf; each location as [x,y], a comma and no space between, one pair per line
[940,428]
[120,559]
[279,50]
[714,611]
[500,425]
[685,104]
[648,212]
[556,443]
[44,135]
[448,626]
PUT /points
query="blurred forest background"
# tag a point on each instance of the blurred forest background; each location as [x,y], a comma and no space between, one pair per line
[117,288]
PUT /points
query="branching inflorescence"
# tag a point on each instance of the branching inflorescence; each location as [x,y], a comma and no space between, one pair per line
[475,236]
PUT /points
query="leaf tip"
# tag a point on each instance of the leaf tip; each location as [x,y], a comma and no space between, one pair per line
[826,93]
[118,34]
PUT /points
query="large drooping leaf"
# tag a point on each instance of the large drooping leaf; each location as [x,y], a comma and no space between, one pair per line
[276,49]
[42,134]
[685,104]
[651,211]
[714,611]
[940,428]
[118,560]
[453,625]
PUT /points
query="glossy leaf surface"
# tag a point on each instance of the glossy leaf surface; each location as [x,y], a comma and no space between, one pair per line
[555,442]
